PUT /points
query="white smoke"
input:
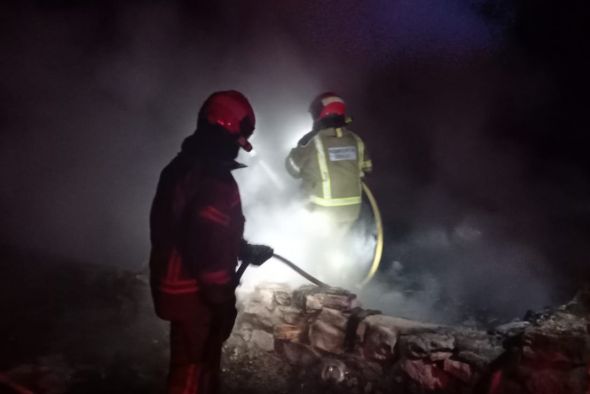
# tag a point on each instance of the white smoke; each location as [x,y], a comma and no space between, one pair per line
[464,274]
[277,215]
[98,103]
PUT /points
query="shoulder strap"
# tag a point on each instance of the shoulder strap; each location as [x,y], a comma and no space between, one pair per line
[307,137]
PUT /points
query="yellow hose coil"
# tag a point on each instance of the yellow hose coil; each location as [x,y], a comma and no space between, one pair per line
[379,244]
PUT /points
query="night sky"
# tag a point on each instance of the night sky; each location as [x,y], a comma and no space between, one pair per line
[475,113]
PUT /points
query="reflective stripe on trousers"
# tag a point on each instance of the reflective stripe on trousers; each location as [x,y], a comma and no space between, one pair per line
[195,354]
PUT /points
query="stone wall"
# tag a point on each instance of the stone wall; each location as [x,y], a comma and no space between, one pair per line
[95,332]
[321,340]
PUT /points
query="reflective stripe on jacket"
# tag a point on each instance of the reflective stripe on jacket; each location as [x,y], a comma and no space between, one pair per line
[330,163]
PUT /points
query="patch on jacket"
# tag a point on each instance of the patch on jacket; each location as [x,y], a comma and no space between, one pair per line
[339,153]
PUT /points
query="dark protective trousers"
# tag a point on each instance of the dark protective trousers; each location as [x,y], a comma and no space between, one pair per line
[195,352]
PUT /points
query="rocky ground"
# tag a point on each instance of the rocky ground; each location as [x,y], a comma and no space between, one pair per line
[70,328]
[323,341]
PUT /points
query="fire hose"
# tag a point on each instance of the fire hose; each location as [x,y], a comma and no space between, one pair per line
[301,272]
[379,242]
[289,264]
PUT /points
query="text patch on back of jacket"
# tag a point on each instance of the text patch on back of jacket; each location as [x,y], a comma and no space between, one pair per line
[339,153]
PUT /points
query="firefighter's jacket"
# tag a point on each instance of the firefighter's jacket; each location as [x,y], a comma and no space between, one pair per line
[330,163]
[196,225]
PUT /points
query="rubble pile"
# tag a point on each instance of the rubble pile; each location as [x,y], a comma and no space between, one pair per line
[90,330]
[321,340]
[549,354]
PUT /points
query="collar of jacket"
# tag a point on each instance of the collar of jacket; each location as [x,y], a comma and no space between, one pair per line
[193,149]
[323,131]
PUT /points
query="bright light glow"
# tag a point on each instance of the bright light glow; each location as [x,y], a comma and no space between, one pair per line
[297,128]
[277,215]
[336,259]
[311,241]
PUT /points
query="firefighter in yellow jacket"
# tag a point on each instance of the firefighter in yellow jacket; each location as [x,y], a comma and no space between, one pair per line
[331,161]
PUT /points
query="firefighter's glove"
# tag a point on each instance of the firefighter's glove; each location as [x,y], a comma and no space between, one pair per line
[255,254]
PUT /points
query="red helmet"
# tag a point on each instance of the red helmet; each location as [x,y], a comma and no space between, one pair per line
[231,111]
[327,104]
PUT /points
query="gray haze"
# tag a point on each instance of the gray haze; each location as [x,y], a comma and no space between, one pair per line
[97,99]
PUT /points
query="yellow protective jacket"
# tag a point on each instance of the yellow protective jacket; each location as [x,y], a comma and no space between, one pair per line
[330,162]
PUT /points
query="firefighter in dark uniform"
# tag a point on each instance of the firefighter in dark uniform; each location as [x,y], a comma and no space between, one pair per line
[331,161]
[197,225]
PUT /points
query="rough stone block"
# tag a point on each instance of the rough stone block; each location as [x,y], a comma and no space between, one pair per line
[396,324]
[258,315]
[473,359]
[326,337]
[458,369]
[282,298]
[439,356]
[379,343]
[487,347]
[421,346]
[426,374]
[265,294]
[512,329]
[262,340]
[288,332]
[290,315]
[548,346]
[297,353]
[333,317]
[312,299]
